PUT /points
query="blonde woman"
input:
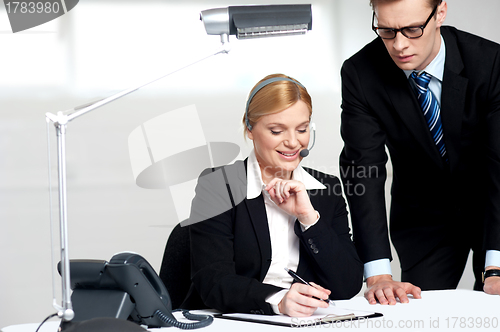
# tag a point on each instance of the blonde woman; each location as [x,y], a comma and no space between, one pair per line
[288,217]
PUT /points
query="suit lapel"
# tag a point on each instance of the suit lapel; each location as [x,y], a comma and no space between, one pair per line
[258,216]
[452,99]
[406,105]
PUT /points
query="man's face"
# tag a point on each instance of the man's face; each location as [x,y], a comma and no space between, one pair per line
[411,54]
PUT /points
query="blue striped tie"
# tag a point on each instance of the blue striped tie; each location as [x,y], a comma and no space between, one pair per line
[430,107]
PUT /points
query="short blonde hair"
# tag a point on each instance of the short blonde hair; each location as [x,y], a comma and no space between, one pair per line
[274,98]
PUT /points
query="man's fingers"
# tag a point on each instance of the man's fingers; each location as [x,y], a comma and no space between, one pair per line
[413,290]
[401,294]
[380,295]
[370,297]
[386,290]
[389,295]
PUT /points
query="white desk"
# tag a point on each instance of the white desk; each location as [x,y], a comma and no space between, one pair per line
[453,310]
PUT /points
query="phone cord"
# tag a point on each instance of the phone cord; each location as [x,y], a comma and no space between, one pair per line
[203,320]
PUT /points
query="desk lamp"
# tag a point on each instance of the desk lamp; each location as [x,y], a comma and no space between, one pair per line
[243,21]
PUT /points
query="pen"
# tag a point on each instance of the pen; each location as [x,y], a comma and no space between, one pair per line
[297,278]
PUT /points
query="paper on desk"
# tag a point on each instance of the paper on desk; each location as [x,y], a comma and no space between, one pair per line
[332,313]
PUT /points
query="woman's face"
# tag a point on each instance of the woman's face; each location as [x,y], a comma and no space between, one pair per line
[279,138]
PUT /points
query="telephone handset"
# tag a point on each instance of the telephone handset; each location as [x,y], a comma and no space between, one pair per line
[126,287]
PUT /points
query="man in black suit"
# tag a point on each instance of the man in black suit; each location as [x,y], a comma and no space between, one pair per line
[431,95]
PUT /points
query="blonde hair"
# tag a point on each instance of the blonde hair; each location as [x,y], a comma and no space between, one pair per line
[274,98]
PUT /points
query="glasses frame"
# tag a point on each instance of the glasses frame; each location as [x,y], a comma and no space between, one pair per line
[402,30]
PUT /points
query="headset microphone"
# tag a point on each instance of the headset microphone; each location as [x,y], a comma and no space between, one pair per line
[304,153]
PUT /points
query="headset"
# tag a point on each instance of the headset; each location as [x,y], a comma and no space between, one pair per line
[304,152]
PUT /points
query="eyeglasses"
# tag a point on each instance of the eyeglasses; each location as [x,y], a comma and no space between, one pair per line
[408,32]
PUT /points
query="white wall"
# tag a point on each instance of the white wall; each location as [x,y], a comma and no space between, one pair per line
[103,46]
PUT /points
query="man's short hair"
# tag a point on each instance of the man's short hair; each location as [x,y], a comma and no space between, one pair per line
[432,3]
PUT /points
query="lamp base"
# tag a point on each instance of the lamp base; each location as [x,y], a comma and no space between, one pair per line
[102,324]
[95,303]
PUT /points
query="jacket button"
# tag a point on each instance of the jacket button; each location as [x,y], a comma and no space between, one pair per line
[310,241]
[315,250]
[313,246]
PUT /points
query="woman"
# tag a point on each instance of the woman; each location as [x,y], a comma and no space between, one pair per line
[251,220]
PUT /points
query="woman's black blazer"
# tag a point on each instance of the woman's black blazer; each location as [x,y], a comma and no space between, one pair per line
[231,252]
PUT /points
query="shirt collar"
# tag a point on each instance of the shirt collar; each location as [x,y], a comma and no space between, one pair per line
[436,67]
[255,185]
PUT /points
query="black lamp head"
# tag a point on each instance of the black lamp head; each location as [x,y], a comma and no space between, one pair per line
[258,21]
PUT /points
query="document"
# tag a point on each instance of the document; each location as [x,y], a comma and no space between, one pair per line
[320,316]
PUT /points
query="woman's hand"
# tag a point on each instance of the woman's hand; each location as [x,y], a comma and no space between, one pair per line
[299,301]
[291,196]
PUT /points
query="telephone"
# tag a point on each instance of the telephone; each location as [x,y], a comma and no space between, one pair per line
[126,287]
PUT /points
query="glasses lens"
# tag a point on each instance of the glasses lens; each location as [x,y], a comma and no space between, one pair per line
[413,32]
[386,33]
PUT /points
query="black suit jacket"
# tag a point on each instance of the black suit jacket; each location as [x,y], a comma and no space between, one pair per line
[431,200]
[231,252]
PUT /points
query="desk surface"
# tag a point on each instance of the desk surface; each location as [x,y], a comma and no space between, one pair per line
[454,310]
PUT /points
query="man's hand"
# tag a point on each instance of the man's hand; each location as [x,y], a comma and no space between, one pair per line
[492,284]
[386,290]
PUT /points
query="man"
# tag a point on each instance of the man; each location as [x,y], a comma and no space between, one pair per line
[431,95]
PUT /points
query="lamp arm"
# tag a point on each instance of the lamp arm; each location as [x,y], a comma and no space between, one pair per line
[60,120]
[222,49]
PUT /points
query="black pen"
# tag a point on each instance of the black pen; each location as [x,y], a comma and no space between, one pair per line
[297,278]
